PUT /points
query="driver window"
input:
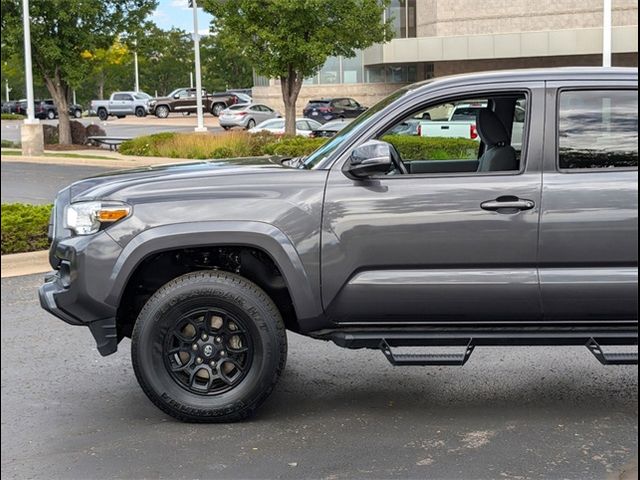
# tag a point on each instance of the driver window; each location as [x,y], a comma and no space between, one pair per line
[463,135]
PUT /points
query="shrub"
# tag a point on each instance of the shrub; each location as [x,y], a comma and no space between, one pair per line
[145,146]
[24,227]
[78,133]
[9,144]
[293,146]
[11,116]
[433,148]
[94,130]
[228,145]
[50,134]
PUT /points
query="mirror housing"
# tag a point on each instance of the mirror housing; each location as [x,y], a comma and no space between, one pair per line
[370,158]
[176,96]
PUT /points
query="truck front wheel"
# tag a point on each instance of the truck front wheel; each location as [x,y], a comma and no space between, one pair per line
[209,346]
[217,108]
[102,114]
[162,111]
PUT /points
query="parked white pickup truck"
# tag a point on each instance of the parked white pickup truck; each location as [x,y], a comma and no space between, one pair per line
[121,104]
[461,123]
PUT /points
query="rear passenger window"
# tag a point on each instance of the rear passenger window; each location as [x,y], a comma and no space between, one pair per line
[598,129]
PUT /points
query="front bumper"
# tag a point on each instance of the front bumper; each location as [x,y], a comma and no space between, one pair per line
[77,290]
[104,330]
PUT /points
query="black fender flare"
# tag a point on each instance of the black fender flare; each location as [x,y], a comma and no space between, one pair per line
[258,235]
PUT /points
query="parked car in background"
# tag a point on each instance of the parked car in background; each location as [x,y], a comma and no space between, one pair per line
[9,107]
[246,115]
[461,122]
[330,128]
[121,104]
[184,100]
[242,97]
[304,126]
[46,109]
[327,109]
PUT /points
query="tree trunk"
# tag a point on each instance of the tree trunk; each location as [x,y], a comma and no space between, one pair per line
[291,85]
[59,90]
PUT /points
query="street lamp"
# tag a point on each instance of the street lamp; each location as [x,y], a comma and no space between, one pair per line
[31,134]
[196,47]
[606,34]
[135,63]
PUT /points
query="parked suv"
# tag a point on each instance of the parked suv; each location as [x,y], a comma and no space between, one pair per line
[47,109]
[373,241]
[184,100]
[331,108]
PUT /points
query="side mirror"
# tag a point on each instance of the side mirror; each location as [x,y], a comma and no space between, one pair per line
[176,96]
[370,158]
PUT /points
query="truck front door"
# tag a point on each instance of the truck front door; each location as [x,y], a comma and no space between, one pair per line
[440,242]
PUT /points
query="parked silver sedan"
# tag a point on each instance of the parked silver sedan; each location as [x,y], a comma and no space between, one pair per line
[246,115]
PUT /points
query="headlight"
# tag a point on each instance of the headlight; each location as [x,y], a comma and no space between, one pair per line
[152,103]
[85,218]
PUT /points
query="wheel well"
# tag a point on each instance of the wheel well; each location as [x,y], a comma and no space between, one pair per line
[158,269]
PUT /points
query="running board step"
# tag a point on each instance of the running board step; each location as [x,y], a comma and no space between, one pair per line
[426,358]
[611,358]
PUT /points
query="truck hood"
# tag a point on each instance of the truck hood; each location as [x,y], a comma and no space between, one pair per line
[102,186]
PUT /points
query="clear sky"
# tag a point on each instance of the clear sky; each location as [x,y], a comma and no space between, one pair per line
[176,13]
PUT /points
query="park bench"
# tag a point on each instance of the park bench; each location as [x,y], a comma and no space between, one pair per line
[112,142]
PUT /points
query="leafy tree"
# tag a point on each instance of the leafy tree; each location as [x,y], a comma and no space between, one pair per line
[60,31]
[106,63]
[224,66]
[291,39]
[165,58]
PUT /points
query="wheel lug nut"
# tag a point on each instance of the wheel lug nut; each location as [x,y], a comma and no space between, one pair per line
[218,339]
[198,360]
[204,336]
[222,353]
[212,363]
[194,346]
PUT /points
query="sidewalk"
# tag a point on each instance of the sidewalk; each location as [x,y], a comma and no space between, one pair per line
[17,264]
[114,160]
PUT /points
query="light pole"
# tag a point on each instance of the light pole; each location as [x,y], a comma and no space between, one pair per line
[196,47]
[135,63]
[606,34]
[31,134]
[7,89]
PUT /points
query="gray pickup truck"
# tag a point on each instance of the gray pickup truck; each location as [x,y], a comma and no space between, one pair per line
[121,104]
[367,243]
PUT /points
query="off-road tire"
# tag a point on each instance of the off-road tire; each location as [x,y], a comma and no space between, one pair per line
[209,289]
[140,112]
[103,114]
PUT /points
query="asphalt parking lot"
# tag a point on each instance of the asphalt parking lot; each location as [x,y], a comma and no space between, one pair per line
[38,183]
[509,413]
[126,127]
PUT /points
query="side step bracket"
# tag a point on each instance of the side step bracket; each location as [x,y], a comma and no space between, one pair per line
[611,358]
[426,358]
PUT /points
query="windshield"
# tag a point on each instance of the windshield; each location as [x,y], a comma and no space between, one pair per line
[175,92]
[272,124]
[319,156]
[143,96]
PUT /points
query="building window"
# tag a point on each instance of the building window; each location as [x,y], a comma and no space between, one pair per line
[260,81]
[352,68]
[403,18]
[330,71]
[375,74]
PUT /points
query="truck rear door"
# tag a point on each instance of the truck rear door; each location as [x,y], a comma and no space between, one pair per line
[589,223]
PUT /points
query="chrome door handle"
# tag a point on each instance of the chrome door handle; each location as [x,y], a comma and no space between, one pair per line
[507,205]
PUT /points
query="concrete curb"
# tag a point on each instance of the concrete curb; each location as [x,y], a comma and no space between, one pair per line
[17,264]
[115,163]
